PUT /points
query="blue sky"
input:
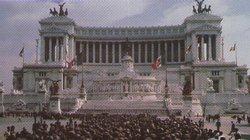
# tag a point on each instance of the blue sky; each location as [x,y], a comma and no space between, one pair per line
[19,23]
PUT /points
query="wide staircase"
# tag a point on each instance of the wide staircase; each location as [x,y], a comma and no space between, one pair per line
[124,107]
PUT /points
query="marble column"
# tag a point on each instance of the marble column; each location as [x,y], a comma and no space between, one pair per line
[194,47]
[87,52]
[133,51]
[100,52]
[66,48]
[146,52]
[57,50]
[172,51]
[94,49]
[159,49]
[152,52]
[113,52]
[166,53]
[107,52]
[209,48]
[120,52]
[202,48]
[42,51]
[50,49]
[139,53]
[179,51]
[218,47]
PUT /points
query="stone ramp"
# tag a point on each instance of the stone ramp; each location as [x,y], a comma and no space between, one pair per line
[124,107]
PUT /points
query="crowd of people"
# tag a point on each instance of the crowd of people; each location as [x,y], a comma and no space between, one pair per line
[107,126]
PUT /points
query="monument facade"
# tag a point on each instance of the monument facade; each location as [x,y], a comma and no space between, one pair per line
[189,53]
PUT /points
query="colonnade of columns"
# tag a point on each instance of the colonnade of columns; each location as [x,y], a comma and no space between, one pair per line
[141,52]
[53,49]
[206,47]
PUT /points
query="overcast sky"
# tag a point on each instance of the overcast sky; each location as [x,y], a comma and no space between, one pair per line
[19,23]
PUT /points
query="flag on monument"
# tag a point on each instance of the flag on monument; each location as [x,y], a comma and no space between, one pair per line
[21,52]
[233,48]
[71,63]
[188,49]
[156,64]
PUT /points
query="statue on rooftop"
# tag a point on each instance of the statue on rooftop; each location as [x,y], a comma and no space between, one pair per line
[199,4]
[61,11]
[200,8]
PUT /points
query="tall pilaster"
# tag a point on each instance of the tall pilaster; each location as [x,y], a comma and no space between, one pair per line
[209,48]
[218,47]
[194,47]
[202,48]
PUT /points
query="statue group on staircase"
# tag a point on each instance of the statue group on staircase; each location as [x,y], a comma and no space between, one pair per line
[187,89]
[200,8]
[61,11]
[54,88]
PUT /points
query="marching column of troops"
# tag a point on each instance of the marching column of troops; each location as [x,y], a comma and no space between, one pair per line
[106,126]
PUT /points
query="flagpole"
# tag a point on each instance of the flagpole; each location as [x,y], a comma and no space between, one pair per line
[236,52]
[23,54]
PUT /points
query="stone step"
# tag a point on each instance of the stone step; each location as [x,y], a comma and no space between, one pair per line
[159,112]
[123,105]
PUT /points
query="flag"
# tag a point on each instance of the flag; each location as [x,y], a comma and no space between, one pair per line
[233,48]
[21,52]
[71,63]
[156,64]
[188,49]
